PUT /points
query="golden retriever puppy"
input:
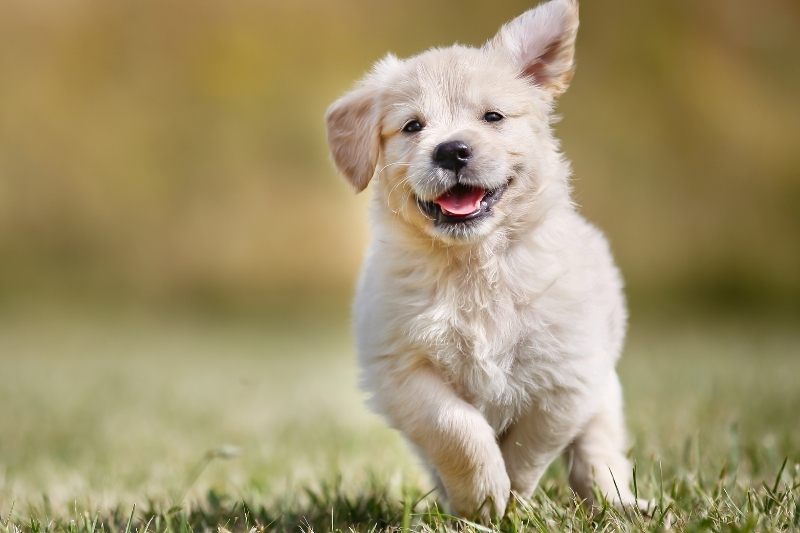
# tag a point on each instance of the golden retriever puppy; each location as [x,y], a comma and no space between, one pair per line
[489,313]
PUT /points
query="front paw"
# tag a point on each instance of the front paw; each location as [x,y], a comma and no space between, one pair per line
[645,507]
[482,496]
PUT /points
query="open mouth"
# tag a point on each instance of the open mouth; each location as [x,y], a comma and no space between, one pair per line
[462,203]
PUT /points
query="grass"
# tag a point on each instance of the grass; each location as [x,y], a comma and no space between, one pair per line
[137,424]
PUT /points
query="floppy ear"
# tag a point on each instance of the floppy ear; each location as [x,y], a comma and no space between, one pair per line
[542,42]
[353,134]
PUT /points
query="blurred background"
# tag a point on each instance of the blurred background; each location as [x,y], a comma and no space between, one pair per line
[174,152]
[167,159]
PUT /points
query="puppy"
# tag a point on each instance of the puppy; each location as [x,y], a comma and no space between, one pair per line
[489,314]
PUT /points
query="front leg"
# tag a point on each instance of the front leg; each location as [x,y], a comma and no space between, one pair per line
[453,436]
[598,454]
[537,438]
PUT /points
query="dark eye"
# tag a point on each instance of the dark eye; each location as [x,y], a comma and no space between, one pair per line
[412,126]
[493,116]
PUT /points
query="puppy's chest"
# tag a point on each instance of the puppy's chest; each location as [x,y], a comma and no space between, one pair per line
[484,342]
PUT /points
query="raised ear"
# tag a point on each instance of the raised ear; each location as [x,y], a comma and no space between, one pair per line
[542,42]
[354,134]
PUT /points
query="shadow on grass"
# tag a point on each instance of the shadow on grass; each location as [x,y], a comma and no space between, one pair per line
[331,507]
[687,500]
[328,508]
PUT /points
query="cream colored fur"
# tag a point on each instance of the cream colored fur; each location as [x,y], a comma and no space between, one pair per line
[491,348]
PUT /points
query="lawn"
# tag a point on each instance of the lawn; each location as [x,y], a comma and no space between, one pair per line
[192,424]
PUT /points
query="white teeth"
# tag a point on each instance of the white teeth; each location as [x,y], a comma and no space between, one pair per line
[484,204]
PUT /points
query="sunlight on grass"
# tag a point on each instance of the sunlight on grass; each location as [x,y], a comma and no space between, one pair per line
[206,423]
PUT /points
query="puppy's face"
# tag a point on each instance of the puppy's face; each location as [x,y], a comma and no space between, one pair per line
[459,138]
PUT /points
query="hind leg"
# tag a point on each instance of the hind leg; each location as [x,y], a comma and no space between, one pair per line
[598,454]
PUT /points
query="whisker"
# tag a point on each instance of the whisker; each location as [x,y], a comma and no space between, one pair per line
[402,163]
[389,196]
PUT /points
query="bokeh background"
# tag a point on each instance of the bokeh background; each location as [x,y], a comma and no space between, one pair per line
[175,152]
[165,191]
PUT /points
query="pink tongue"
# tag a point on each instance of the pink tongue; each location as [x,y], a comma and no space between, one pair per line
[461,201]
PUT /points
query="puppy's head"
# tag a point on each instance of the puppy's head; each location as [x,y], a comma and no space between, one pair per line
[458,139]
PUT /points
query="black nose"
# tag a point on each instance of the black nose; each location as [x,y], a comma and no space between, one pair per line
[452,155]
